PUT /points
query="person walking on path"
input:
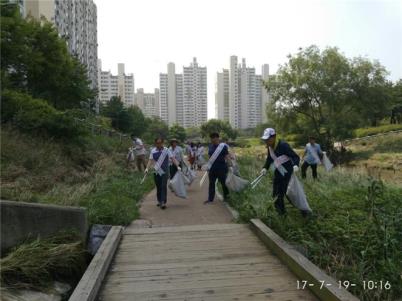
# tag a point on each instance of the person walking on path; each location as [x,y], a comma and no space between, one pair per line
[200,161]
[217,166]
[312,157]
[160,157]
[192,151]
[177,153]
[285,161]
[139,150]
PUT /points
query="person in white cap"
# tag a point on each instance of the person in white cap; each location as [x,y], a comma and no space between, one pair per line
[285,162]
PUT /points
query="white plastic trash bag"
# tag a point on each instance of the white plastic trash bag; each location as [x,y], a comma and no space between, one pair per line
[130,155]
[189,175]
[201,160]
[235,183]
[296,194]
[178,186]
[327,164]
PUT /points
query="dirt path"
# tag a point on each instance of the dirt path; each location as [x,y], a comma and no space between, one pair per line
[190,211]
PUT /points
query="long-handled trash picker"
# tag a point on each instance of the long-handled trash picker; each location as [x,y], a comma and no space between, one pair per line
[143,179]
[256,181]
[204,177]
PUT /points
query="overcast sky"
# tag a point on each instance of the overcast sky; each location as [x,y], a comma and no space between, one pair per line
[147,34]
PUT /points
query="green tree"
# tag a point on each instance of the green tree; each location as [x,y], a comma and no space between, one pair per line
[326,94]
[140,123]
[193,133]
[36,61]
[178,132]
[122,120]
[156,128]
[224,129]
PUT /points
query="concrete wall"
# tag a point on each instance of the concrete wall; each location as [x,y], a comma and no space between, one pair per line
[20,221]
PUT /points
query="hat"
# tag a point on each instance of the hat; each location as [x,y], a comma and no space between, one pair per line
[174,140]
[268,133]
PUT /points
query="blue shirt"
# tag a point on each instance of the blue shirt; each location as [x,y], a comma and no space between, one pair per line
[156,153]
[220,162]
[312,153]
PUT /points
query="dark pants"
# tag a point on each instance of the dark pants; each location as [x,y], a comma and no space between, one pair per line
[304,167]
[173,170]
[141,162]
[213,175]
[279,192]
[161,187]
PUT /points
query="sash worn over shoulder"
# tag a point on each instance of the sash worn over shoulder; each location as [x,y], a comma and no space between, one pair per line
[158,164]
[215,155]
[278,161]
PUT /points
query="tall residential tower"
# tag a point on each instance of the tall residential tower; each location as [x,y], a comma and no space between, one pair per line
[76,22]
[183,97]
[240,95]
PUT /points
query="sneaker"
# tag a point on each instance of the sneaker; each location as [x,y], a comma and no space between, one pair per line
[163,206]
[158,204]
[207,202]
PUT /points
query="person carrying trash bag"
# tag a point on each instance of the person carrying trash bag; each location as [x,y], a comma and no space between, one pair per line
[160,157]
[285,161]
[217,167]
[177,153]
[312,157]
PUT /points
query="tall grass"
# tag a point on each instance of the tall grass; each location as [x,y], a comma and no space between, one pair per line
[355,232]
[92,175]
[36,264]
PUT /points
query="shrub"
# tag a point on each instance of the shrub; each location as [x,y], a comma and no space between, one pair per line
[36,116]
[376,130]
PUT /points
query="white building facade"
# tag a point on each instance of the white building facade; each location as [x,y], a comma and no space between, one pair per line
[222,95]
[183,97]
[239,95]
[76,22]
[116,85]
[148,102]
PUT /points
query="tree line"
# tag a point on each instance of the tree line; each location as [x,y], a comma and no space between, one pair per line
[325,94]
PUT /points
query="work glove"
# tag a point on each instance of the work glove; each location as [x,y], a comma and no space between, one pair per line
[231,169]
[263,171]
[295,168]
[178,168]
[146,170]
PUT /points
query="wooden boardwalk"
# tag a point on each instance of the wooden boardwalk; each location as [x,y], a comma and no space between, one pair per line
[198,262]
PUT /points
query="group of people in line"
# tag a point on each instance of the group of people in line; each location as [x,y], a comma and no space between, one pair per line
[165,163]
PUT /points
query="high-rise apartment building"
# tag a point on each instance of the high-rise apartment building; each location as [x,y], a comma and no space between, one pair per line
[222,95]
[265,94]
[76,22]
[239,95]
[148,102]
[116,85]
[183,97]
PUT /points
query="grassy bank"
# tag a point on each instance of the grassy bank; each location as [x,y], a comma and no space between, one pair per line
[355,233]
[90,173]
[93,175]
[38,263]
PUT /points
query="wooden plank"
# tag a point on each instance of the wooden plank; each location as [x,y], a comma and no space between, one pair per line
[269,273]
[242,293]
[301,266]
[182,229]
[283,282]
[193,247]
[186,256]
[194,270]
[132,242]
[90,283]
[255,260]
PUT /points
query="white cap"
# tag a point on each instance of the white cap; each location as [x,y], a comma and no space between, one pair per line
[268,133]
